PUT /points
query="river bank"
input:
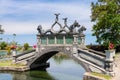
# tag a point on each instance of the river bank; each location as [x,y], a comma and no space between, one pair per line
[8,65]
[11,68]
[95,76]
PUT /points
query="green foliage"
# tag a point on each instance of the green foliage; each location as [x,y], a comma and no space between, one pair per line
[19,48]
[107,77]
[105,14]
[26,46]
[4,63]
[100,48]
[3,45]
[8,50]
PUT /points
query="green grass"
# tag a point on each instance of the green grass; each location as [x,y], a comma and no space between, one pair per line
[107,77]
[10,63]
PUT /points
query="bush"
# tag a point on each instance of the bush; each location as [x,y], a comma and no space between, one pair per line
[98,47]
[26,46]
[3,45]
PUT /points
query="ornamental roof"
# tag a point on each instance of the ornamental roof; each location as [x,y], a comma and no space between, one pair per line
[65,29]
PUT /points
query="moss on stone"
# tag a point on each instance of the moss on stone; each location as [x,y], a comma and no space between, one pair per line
[4,63]
[107,77]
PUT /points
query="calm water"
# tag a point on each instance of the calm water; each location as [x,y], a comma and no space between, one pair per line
[60,69]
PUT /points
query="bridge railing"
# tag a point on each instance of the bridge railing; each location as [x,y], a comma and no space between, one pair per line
[96,52]
[92,57]
[25,52]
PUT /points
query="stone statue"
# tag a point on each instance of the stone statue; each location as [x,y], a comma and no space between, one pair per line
[57,16]
[73,26]
[81,30]
[39,28]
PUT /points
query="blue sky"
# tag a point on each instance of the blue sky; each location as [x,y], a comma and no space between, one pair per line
[23,16]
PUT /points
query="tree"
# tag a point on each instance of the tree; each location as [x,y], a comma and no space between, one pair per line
[3,45]
[1,30]
[14,35]
[26,46]
[105,14]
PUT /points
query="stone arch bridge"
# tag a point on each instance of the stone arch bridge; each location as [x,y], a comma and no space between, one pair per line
[69,40]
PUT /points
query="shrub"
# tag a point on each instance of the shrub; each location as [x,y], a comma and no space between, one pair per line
[3,45]
[26,46]
[98,47]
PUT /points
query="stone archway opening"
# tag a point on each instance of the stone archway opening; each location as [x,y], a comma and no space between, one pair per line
[56,55]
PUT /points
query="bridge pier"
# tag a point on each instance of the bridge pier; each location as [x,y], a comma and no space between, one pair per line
[38,44]
[109,68]
[109,62]
[40,66]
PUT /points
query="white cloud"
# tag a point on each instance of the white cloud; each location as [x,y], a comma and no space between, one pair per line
[23,28]
[73,11]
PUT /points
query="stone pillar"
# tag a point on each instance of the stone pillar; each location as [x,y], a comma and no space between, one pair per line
[109,62]
[82,40]
[64,40]
[14,53]
[55,40]
[75,39]
[75,44]
[38,43]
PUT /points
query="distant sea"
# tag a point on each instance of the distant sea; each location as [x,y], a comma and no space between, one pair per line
[32,39]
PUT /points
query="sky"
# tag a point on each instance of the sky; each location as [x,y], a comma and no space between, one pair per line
[23,16]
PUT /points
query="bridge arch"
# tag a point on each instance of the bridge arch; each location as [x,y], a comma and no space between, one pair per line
[42,59]
[47,54]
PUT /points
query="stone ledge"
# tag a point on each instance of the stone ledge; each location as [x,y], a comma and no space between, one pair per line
[10,68]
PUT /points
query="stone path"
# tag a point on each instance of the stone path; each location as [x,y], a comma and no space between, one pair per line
[117,68]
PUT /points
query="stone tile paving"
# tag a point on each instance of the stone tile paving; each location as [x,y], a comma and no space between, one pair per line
[117,67]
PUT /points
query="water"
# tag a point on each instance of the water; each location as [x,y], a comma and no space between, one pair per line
[2,53]
[60,69]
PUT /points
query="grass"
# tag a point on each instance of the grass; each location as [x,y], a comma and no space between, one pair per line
[9,63]
[107,77]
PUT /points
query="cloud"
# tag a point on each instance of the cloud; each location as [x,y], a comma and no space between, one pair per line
[23,17]
[23,27]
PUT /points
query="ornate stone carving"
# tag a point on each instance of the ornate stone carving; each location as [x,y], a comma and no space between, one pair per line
[73,26]
[80,30]
[56,23]
[39,28]
[67,29]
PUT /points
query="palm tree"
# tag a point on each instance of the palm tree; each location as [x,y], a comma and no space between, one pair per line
[1,31]
[14,35]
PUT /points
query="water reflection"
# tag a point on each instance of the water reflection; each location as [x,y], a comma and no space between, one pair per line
[61,68]
[29,75]
[60,57]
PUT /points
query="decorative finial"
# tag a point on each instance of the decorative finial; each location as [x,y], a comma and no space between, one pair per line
[76,24]
[65,21]
[57,14]
[39,28]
